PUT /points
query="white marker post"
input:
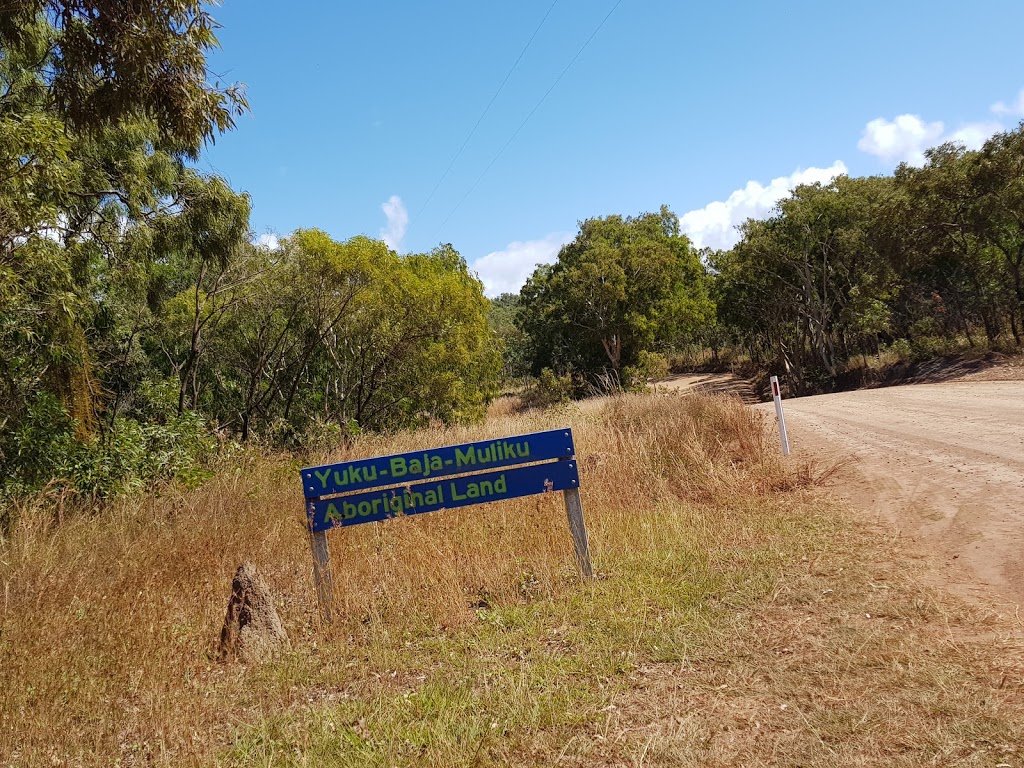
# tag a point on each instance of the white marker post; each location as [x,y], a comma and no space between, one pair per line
[777,395]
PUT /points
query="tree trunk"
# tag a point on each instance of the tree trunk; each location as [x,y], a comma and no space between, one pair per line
[613,349]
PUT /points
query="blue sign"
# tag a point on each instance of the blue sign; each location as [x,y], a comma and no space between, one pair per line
[411,467]
[382,504]
[371,490]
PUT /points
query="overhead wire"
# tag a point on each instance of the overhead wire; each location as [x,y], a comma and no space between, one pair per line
[487,109]
[532,112]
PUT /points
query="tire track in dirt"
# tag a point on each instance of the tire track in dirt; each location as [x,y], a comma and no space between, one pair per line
[944,463]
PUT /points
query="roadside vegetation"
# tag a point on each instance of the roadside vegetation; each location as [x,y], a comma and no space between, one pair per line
[926,263]
[738,616]
[142,329]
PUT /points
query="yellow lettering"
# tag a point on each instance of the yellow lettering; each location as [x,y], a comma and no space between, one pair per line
[332,516]
[469,457]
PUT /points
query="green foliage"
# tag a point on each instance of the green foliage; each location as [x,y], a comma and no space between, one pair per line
[137,319]
[102,62]
[650,366]
[503,317]
[349,334]
[623,286]
[901,349]
[548,389]
[46,449]
[916,261]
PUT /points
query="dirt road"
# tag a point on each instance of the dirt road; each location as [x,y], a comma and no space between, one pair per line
[709,384]
[944,463]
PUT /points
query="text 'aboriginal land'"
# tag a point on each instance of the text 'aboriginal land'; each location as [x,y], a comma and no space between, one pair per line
[428,497]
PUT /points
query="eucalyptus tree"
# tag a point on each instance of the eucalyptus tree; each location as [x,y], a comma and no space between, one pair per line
[102,62]
[515,344]
[417,345]
[624,285]
[802,284]
[998,220]
[102,104]
[350,335]
[941,256]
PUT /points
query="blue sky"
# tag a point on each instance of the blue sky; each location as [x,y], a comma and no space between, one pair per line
[713,108]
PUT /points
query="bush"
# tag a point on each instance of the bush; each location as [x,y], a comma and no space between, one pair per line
[42,446]
[321,436]
[899,350]
[549,389]
[45,448]
[650,366]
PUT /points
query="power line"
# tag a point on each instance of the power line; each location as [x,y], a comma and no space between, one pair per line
[532,112]
[486,110]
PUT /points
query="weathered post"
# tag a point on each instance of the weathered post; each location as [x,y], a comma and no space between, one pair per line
[777,396]
[323,578]
[578,528]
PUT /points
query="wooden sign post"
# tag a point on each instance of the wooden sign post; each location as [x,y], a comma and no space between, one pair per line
[381,488]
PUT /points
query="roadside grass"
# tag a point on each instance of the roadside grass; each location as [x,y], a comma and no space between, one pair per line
[739,617]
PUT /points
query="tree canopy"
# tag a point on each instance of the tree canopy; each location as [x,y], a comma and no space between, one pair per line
[140,324]
[137,318]
[622,286]
[926,255]
[97,63]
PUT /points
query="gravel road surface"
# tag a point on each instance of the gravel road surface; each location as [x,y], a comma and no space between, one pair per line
[944,463]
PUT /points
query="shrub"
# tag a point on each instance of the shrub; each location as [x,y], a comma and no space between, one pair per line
[900,350]
[549,389]
[650,366]
[45,449]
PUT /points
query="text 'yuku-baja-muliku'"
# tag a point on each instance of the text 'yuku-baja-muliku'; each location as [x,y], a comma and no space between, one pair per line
[450,460]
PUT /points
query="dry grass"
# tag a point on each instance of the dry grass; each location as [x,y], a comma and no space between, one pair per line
[729,626]
[847,662]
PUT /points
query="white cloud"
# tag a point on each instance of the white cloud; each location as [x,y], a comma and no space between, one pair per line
[269,241]
[901,140]
[714,225]
[1015,109]
[506,270]
[398,222]
[905,139]
[974,135]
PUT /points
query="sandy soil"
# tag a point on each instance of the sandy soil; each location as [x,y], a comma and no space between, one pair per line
[943,463]
[708,383]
